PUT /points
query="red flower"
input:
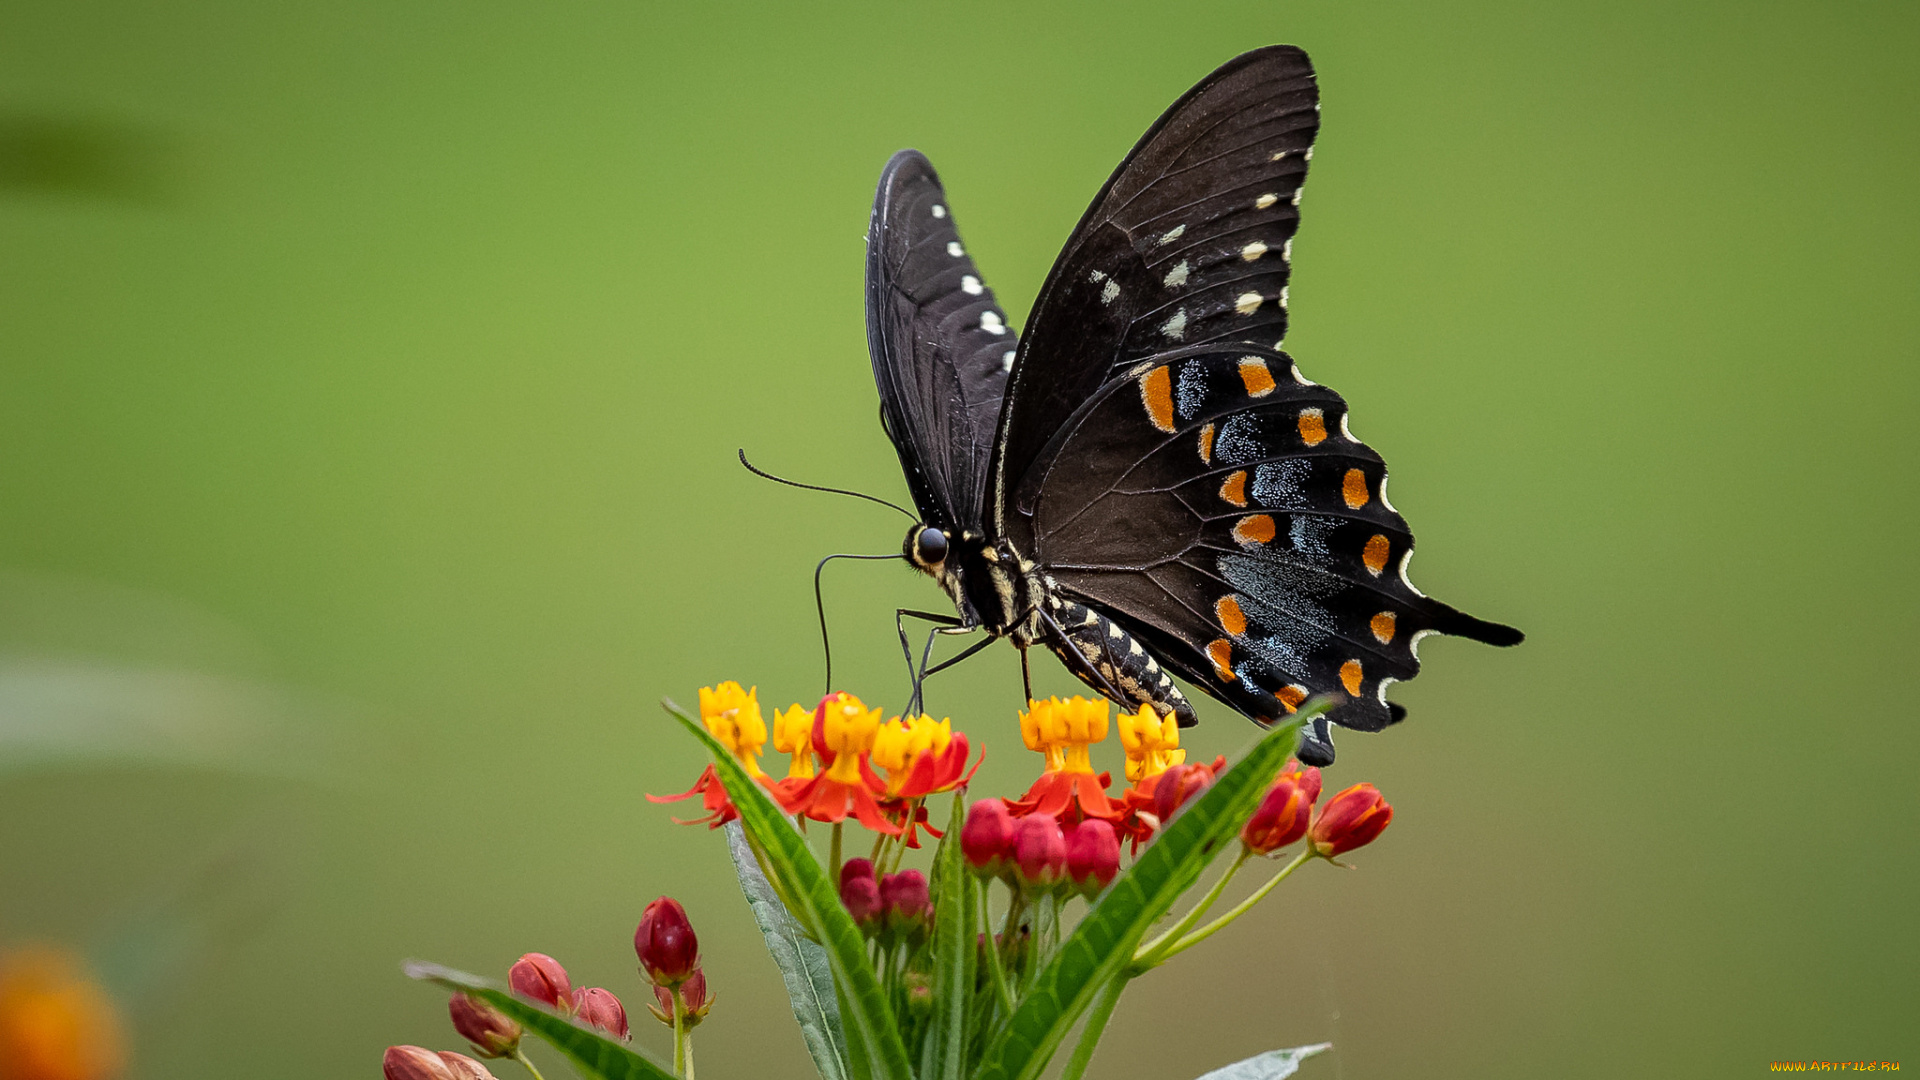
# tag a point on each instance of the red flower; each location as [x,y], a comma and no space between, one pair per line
[986,839]
[1040,851]
[1093,856]
[1068,790]
[843,731]
[714,799]
[1350,819]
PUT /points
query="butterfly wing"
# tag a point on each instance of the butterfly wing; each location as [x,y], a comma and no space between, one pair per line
[940,345]
[1214,504]
[1188,243]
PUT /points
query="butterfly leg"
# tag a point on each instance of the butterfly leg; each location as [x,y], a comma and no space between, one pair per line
[906,645]
[926,672]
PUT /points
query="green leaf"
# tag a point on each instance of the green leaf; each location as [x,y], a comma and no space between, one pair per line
[1101,947]
[595,1054]
[803,963]
[953,952]
[876,1051]
[1272,1065]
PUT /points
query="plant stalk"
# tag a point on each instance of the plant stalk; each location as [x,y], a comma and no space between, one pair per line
[994,966]
[521,1057]
[1239,909]
[1151,954]
[1096,1024]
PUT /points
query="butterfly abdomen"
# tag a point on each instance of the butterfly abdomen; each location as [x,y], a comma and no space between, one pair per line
[1109,659]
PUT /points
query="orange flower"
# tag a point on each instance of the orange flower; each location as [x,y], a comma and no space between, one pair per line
[921,758]
[54,1023]
[1152,743]
[732,715]
[1068,789]
[843,734]
[793,734]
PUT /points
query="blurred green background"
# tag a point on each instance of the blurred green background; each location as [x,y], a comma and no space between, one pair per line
[370,377]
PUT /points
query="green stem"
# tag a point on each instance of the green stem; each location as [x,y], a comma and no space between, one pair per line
[1150,953]
[833,867]
[1239,909]
[680,1034]
[994,966]
[1096,1024]
[521,1056]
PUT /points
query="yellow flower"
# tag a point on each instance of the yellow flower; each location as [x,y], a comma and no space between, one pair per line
[847,728]
[1151,742]
[793,734]
[903,740]
[733,717]
[1063,730]
[54,1023]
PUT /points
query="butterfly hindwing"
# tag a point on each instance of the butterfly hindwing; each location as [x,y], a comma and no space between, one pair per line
[1189,243]
[1215,504]
[940,344]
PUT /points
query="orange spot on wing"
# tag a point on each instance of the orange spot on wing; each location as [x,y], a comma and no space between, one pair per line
[1206,445]
[1291,696]
[1220,651]
[1350,677]
[1156,390]
[1255,374]
[1376,552]
[1382,626]
[1234,489]
[1313,427]
[1232,619]
[1254,529]
[1354,489]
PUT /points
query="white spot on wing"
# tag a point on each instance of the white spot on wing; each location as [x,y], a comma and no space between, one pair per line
[1097,277]
[1172,234]
[939,211]
[990,322]
[1283,295]
[971,285]
[1253,251]
[1178,275]
[1296,198]
[1383,488]
[1176,327]
[1247,303]
[1265,201]
[1344,432]
[1110,292]
[1006,362]
[1299,378]
[1286,251]
[1385,681]
[954,249]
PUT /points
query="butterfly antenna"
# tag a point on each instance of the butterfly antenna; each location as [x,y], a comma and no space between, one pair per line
[816,487]
[819,602]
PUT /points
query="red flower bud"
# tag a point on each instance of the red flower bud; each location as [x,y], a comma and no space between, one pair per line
[540,977]
[908,906]
[602,1010]
[1350,819]
[987,837]
[492,1033]
[1284,812]
[668,950]
[861,895]
[854,868]
[693,997]
[462,1067]
[1176,788]
[919,993]
[420,1063]
[1040,851]
[1093,856]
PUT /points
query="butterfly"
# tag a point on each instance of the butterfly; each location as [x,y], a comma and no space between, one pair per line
[1146,484]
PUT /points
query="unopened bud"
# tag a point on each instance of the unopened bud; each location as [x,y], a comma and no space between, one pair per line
[986,839]
[919,993]
[420,1063]
[1093,856]
[668,950]
[693,999]
[602,1010]
[1176,788]
[462,1067]
[492,1032]
[1350,819]
[861,895]
[1040,851]
[540,978]
[909,909]
[1284,811]
[855,868]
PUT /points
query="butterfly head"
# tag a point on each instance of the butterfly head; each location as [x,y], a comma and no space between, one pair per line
[926,548]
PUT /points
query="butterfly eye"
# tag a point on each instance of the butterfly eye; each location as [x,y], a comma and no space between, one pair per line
[930,547]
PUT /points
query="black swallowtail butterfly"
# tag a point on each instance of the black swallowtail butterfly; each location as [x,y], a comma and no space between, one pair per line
[1146,484]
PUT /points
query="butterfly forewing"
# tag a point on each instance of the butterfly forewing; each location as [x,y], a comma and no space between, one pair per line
[940,344]
[1188,244]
